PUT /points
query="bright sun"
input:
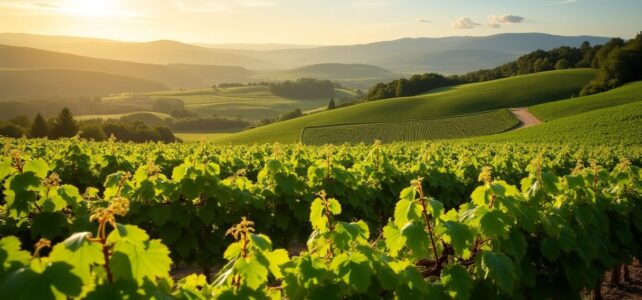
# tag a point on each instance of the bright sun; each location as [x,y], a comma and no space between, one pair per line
[90,7]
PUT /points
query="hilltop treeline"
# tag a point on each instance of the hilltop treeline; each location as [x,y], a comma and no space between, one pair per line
[416,85]
[304,88]
[619,62]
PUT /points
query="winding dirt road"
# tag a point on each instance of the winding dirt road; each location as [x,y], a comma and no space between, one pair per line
[526,119]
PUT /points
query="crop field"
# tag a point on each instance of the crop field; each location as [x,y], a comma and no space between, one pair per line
[102,219]
[628,93]
[250,102]
[518,91]
[622,124]
[486,123]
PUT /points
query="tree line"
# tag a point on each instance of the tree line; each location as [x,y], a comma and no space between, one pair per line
[64,126]
[618,62]
[304,88]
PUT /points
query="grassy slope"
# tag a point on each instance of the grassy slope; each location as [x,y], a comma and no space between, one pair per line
[484,123]
[252,102]
[617,124]
[52,82]
[517,91]
[631,92]
[200,137]
[142,114]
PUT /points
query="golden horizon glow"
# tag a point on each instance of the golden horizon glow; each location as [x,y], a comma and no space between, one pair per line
[313,22]
[88,7]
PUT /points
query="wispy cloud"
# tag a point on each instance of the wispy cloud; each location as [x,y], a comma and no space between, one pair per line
[421,20]
[497,21]
[464,23]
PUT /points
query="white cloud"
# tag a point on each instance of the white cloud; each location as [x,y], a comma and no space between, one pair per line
[465,23]
[496,21]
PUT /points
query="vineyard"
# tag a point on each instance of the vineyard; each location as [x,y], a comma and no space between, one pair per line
[485,123]
[441,220]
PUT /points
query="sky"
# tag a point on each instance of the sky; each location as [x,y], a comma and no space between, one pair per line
[316,22]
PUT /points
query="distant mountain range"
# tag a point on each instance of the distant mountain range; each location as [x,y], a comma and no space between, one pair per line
[139,67]
[408,55]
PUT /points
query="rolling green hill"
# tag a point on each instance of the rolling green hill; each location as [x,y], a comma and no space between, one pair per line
[484,123]
[516,91]
[360,76]
[338,71]
[248,102]
[147,117]
[621,124]
[631,92]
[53,82]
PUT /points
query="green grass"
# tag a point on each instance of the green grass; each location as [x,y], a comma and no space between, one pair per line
[198,137]
[149,118]
[484,123]
[621,124]
[516,91]
[118,116]
[631,92]
[252,103]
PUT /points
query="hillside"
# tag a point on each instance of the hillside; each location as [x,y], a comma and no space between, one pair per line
[154,52]
[519,91]
[147,117]
[174,76]
[484,123]
[620,124]
[628,93]
[333,71]
[53,82]
[408,55]
[422,54]
[248,102]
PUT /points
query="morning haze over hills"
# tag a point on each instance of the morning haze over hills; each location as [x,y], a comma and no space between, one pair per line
[179,65]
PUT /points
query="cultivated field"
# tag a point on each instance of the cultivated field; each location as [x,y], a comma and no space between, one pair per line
[518,91]
[485,123]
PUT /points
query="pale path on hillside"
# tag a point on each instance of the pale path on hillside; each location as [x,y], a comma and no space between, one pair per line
[526,119]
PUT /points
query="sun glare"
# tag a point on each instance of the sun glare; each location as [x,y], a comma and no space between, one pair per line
[90,7]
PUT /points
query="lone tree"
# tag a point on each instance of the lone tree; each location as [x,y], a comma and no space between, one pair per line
[39,128]
[64,125]
[332,105]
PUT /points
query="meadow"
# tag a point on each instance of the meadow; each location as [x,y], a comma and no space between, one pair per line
[518,91]
[248,102]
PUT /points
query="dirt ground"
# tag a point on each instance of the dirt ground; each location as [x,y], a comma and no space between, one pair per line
[627,289]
